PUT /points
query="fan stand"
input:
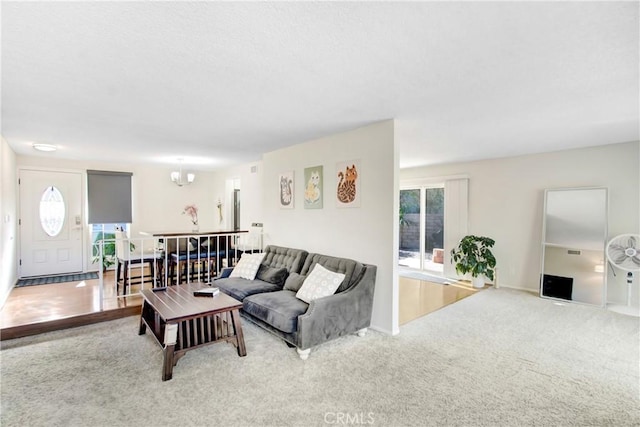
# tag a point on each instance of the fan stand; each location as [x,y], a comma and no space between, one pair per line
[628,309]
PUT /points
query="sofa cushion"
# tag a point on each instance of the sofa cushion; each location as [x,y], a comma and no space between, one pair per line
[350,268]
[272,275]
[248,266]
[294,282]
[240,288]
[279,309]
[278,256]
[319,283]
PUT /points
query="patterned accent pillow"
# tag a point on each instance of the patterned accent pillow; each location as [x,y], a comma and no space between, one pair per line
[248,266]
[319,283]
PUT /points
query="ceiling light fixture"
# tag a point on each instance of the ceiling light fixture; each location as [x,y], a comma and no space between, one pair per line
[181,179]
[45,147]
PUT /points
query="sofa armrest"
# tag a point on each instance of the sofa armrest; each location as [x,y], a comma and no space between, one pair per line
[339,314]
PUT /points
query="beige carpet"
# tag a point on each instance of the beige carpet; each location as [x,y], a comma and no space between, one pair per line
[497,358]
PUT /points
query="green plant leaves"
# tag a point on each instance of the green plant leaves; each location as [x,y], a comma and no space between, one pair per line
[109,248]
[474,256]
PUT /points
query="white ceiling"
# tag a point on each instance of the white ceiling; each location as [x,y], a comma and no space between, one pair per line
[220,83]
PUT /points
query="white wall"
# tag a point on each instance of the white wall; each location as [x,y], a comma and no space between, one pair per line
[367,234]
[157,202]
[250,181]
[506,202]
[8,221]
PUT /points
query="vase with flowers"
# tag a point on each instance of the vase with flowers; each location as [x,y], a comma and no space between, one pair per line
[192,211]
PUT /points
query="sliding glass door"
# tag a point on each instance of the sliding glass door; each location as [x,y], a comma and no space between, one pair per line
[422,228]
[410,222]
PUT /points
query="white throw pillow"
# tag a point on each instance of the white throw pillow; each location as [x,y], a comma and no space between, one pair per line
[248,266]
[319,283]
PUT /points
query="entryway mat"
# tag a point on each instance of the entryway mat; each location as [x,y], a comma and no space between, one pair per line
[56,279]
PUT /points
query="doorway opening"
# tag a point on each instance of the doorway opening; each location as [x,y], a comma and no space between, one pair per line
[236,209]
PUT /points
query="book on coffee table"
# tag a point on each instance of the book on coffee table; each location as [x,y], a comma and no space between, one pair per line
[206,292]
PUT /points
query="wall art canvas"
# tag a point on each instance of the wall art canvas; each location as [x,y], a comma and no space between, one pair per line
[348,180]
[313,187]
[285,189]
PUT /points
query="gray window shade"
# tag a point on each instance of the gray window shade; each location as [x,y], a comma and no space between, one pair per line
[109,197]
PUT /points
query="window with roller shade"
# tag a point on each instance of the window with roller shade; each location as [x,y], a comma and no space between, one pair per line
[109,197]
[109,204]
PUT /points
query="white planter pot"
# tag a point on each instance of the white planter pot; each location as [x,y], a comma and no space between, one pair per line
[478,282]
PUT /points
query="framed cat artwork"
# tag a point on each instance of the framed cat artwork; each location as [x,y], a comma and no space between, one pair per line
[313,187]
[348,180]
[285,190]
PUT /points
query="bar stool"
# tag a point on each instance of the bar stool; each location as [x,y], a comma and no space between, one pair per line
[205,254]
[127,254]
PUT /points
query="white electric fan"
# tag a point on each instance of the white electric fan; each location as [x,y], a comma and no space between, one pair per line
[623,252]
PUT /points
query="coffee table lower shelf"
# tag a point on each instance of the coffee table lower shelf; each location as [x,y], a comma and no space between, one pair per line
[181,322]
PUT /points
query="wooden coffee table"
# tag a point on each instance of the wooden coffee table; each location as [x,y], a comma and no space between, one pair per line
[181,322]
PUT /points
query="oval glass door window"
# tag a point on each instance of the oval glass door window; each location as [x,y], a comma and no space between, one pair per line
[52,211]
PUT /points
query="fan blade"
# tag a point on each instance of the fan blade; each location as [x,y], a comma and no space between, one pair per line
[620,259]
[636,260]
[617,247]
[615,252]
[632,241]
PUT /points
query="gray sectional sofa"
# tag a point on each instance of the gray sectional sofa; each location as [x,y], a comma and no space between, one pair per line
[270,299]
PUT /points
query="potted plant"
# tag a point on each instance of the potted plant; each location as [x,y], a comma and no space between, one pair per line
[474,256]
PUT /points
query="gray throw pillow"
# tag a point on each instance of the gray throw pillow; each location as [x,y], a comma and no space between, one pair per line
[294,282]
[277,276]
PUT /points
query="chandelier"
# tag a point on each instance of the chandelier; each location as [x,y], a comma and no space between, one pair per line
[180,178]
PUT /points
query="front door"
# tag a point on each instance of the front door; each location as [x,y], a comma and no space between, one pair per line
[51,225]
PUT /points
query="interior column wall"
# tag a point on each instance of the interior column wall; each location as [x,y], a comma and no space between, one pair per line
[367,233]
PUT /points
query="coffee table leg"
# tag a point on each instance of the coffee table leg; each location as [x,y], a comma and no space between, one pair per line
[237,327]
[143,325]
[170,339]
[167,366]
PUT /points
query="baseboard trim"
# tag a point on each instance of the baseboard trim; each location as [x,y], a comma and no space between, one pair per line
[383,330]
